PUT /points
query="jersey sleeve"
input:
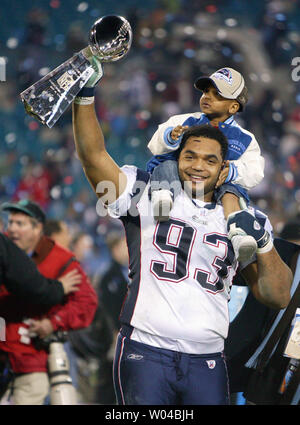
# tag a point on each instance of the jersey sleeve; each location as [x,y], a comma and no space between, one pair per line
[122,204]
[248,169]
[160,142]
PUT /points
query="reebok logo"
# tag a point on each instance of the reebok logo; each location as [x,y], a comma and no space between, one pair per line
[135,356]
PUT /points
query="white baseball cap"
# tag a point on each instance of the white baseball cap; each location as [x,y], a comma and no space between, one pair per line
[229,83]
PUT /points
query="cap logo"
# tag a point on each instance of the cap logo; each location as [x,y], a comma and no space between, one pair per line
[224,74]
[23,202]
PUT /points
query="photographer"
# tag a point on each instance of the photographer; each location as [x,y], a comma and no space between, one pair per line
[24,320]
[19,275]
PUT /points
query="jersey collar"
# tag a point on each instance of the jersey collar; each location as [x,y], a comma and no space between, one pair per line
[202,204]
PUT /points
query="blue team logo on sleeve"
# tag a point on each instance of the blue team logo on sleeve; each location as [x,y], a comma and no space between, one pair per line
[238,142]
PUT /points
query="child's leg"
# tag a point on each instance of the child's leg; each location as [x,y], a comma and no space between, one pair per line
[165,186]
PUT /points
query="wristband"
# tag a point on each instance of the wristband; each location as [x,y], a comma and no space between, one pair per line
[265,244]
[84,100]
[87,92]
[85,96]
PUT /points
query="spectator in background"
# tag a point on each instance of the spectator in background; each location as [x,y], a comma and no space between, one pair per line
[97,342]
[256,341]
[291,232]
[58,231]
[112,289]
[20,277]
[81,244]
[34,184]
[83,247]
[14,263]
[29,364]
[113,284]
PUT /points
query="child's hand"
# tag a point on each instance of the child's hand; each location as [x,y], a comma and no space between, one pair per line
[178,130]
[223,175]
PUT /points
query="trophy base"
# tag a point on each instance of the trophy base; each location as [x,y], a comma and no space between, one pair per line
[29,110]
[48,98]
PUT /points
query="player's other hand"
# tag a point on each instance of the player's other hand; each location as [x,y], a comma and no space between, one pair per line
[70,281]
[223,174]
[178,130]
[243,222]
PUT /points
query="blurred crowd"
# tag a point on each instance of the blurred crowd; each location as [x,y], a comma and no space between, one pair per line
[174,42]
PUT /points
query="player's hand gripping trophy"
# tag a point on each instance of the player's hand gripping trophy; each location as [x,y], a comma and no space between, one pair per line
[109,40]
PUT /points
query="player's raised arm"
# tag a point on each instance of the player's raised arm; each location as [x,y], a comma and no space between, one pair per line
[89,141]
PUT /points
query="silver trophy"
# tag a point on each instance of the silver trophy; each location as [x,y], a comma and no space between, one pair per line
[109,40]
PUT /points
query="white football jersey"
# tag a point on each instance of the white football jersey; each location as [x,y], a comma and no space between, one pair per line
[180,271]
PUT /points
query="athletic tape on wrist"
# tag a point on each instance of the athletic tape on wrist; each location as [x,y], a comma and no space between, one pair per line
[86,96]
[84,100]
[266,248]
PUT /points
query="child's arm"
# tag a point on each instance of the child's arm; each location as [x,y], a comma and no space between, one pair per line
[160,142]
[248,170]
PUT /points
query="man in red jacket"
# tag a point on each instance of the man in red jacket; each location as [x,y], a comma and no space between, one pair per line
[24,320]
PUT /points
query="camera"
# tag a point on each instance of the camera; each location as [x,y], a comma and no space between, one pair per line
[62,390]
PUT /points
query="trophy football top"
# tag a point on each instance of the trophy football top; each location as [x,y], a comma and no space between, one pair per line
[110,38]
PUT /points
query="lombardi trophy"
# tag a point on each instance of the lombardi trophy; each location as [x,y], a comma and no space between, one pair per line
[109,40]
